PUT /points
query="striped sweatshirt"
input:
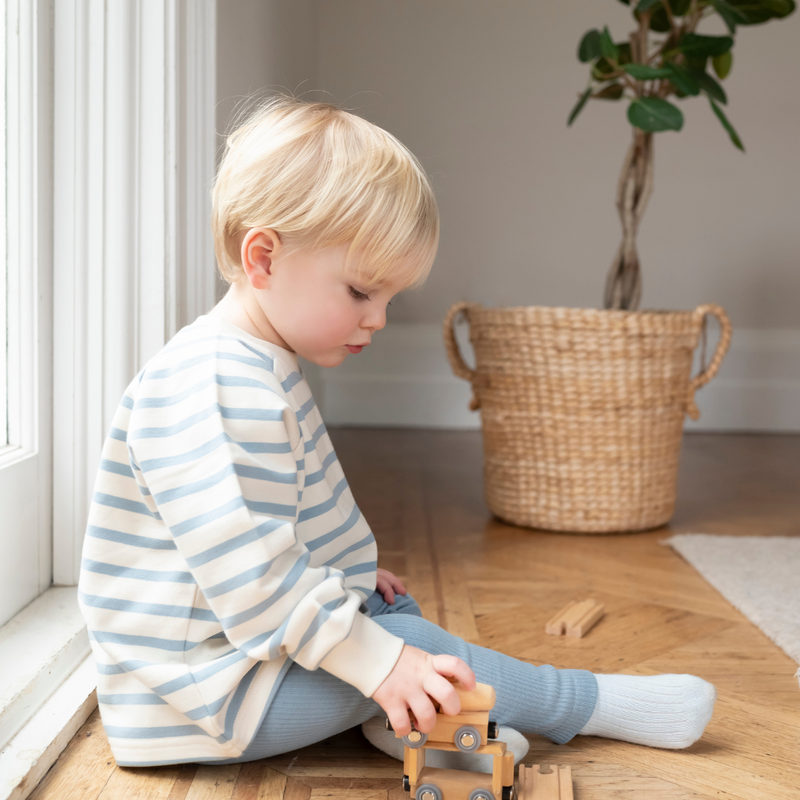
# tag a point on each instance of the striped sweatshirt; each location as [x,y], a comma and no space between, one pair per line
[223,544]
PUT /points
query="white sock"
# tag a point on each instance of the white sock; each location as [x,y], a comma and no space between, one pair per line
[375,731]
[668,711]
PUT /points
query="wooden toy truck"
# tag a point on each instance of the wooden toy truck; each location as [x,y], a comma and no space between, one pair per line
[469,732]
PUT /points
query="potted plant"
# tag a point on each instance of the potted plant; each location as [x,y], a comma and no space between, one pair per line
[582,409]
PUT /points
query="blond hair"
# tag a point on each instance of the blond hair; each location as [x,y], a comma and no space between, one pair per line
[321,176]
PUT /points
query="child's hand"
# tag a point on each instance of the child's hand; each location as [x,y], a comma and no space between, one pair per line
[387,584]
[416,678]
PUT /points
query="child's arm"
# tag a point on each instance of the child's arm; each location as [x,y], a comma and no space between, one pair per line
[225,474]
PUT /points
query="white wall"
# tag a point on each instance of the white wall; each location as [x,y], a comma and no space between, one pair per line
[481,92]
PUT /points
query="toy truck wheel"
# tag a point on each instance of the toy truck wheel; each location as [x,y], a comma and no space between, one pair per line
[481,794]
[429,791]
[509,793]
[467,739]
[406,784]
[493,731]
[415,739]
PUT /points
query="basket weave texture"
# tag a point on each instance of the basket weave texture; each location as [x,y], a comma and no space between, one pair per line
[582,410]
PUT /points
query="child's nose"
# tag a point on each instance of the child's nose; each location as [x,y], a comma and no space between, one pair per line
[376,318]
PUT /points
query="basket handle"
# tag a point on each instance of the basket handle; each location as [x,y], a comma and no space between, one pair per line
[457,363]
[722,347]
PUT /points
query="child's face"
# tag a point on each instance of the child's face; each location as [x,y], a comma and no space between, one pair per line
[315,305]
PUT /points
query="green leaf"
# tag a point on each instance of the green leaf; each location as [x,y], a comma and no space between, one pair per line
[644,5]
[644,73]
[696,44]
[732,15]
[579,106]
[625,56]
[780,8]
[682,79]
[654,114]
[722,64]
[680,7]
[602,69]
[710,86]
[725,124]
[758,11]
[627,2]
[589,48]
[607,46]
[659,22]
[613,91]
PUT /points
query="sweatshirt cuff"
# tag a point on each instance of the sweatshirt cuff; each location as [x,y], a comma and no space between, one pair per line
[366,657]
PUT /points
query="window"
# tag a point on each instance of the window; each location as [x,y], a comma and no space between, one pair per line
[26,304]
[3,265]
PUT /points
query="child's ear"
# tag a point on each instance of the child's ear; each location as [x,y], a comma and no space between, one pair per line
[258,251]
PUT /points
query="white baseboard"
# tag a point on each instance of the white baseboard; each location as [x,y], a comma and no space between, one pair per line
[403,379]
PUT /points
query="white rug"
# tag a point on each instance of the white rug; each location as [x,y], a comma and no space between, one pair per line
[759,575]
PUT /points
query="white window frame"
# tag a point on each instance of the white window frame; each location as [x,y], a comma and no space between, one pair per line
[121,197]
[25,462]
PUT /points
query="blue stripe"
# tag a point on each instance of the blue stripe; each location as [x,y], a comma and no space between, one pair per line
[311,444]
[171,645]
[243,578]
[238,697]
[158,374]
[124,504]
[154,609]
[367,540]
[286,586]
[116,433]
[291,381]
[360,569]
[208,710]
[116,467]
[243,539]
[126,402]
[127,538]
[219,664]
[131,700]
[316,477]
[119,732]
[322,616]
[137,574]
[321,508]
[209,447]
[276,509]
[209,516]
[221,380]
[257,414]
[242,470]
[305,408]
[321,541]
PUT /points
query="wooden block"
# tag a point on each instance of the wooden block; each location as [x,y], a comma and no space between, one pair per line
[413,763]
[576,619]
[556,784]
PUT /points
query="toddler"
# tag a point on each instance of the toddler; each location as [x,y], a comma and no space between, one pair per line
[229,580]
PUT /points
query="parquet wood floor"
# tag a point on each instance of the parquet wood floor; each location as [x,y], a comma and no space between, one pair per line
[497,585]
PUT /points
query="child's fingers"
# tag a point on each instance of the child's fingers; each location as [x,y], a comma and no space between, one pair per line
[455,668]
[399,719]
[386,591]
[441,690]
[424,712]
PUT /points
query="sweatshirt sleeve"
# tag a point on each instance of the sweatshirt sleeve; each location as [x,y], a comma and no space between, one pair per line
[223,468]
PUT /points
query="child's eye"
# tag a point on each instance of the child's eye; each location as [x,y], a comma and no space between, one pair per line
[358,295]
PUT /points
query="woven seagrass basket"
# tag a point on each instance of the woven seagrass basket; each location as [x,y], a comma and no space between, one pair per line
[582,410]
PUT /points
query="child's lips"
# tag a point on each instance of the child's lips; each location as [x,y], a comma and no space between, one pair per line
[355,348]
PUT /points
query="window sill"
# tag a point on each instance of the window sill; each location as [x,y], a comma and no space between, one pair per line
[47,688]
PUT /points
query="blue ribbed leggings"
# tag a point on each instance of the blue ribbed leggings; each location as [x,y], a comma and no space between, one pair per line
[311,706]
